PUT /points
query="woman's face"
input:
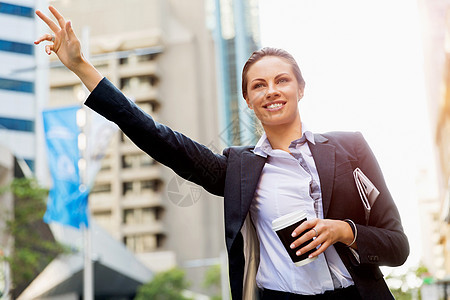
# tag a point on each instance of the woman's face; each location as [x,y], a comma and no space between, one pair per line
[273,91]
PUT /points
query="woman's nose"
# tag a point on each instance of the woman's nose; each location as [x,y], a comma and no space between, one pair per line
[272,92]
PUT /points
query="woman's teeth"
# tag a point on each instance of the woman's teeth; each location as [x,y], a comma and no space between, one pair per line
[274,105]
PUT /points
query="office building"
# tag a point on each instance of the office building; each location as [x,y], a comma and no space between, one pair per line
[160,54]
[21,98]
[165,55]
[436,20]
[235,26]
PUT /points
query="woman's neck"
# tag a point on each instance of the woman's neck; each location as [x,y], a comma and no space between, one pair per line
[281,136]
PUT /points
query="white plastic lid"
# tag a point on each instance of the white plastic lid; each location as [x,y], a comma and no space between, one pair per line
[288,219]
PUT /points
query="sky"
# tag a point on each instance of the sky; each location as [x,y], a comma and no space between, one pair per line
[363,66]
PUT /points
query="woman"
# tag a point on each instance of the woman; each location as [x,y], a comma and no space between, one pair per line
[289,169]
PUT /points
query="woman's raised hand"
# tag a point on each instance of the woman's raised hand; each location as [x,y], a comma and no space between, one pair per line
[65,43]
[67,47]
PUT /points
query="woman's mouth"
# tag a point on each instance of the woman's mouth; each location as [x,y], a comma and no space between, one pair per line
[274,106]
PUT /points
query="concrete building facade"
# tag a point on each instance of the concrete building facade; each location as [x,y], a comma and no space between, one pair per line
[168,56]
[161,55]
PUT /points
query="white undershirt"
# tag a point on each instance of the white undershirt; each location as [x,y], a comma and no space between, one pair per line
[282,189]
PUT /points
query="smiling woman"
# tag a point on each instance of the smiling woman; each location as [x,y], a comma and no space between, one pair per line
[290,169]
[273,93]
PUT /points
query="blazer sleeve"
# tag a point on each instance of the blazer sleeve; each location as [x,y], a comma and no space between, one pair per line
[189,159]
[383,241]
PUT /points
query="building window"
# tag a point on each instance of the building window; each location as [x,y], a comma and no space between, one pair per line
[16,85]
[158,211]
[125,83]
[16,47]
[147,57]
[101,188]
[148,242]
[30,163]
[151,185]
[147,107]
[105,165]
[138,81]
[17,124]
[143,186]
[160,239]
[124,138]
[144,242]
[138,58]
[127,187]
[136,160]
[123,60]
[149,80]
[147,215]
[129,217]
[127,161]
[146,160]
[142,216]
[64,89]
[17,10]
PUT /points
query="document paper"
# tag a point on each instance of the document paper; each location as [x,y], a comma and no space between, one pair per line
[367,191]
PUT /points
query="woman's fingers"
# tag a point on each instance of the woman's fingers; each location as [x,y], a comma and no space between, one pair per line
[45,37]
[64,43]
[52,25]
[307,236]
[322,247]
[49,49]
[304,226]
[58,16]
[320,243]
[69,31]
[323,233]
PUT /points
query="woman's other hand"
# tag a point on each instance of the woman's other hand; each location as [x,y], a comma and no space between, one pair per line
[324,232]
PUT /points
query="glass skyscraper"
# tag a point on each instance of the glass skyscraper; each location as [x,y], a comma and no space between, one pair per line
[18,74]
[235,25]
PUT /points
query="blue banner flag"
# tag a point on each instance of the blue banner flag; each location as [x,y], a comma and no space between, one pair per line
[67,203]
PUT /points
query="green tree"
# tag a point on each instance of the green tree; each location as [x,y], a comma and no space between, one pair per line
[213,281]
[167,285]
[34,245]
[401,295]
[404,285]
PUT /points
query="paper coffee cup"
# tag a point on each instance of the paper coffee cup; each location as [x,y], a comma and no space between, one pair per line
[284,226]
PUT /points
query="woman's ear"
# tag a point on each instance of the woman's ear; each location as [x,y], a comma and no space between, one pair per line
[300,94]
[248,102]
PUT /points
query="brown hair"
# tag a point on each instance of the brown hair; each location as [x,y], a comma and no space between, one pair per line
[269,51]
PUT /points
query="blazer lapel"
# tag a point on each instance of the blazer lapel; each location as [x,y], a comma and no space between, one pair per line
[251,168]
[324,157]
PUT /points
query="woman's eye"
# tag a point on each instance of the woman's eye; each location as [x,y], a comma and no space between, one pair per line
[257,86]
[283,80]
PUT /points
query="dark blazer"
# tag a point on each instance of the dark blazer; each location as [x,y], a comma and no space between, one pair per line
[235,175]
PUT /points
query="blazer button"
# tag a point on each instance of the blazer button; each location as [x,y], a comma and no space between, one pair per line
[373,258]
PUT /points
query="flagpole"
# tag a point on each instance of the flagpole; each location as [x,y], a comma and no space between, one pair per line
[82,166]
[88,276]
[88,280]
